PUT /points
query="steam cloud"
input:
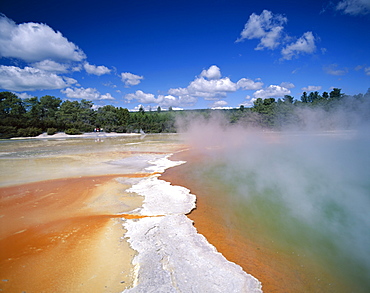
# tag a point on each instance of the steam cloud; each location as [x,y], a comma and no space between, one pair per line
[319,175]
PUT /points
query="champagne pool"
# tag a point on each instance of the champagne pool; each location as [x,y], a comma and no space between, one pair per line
[304,195]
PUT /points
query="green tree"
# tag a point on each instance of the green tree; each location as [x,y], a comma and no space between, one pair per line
[288,99]
[12,111]
[107,117]
[11,105]
[313,96]
[266,109]
[304,98]
[49,106]
[336,94]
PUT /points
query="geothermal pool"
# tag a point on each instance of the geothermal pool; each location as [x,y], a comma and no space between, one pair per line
[302,198]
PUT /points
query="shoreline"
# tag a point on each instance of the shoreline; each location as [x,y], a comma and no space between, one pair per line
[171,254]
[61,135]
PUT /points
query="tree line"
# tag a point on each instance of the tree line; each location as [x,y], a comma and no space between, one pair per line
[278,114]
[33,116]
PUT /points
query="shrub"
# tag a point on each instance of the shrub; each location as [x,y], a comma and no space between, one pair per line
[51,131]
[8,131]
[29,131]
[73,131]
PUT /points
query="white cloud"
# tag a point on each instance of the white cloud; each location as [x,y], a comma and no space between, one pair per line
[141,97]
[177,100]
[287,85]
[30,79]
[332,69]
[179,92]
[23,95]
[312,88]
[167,100]
[271,39]
[130,79]
[210,89]
[70,81]
[211,73]
[91,94]
[267,27]
[96,70]
[367,70]
[305,44]
[34,42]
[51,66]
[210,86]
[218,105]
[272,91]
[248,84]
[161,100]
[107,96]
[354,7]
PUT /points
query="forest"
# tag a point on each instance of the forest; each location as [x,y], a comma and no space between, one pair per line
[33,116]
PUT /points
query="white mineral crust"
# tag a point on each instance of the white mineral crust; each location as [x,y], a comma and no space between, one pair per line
[171,255]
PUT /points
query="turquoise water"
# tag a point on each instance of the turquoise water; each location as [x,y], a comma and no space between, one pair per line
[308,192]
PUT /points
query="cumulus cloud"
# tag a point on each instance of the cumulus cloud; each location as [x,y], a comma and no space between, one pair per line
[267,27]
[23,95]
[161,100]
[210,89]
[141,97]
[96,70]
[211,86]
[33,42]
[220,105]
[332,69]
[51,66]
[176,100]
[272,91]
[287,85]
[305,44]
[354,7]
[91,94]
[248,84]
[106,96]
[131,79]
[30,79]
[312,88]
[213,72]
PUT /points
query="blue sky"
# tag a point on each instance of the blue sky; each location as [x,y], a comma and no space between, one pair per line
[183,54]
